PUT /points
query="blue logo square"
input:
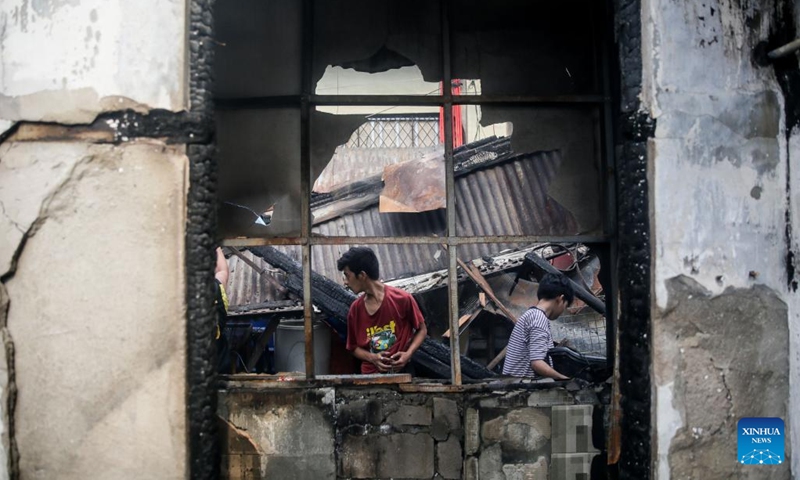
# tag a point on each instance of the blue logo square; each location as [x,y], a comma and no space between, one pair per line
[760,441]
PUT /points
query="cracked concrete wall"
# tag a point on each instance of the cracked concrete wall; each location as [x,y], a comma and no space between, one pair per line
[68,60]
[92,261]
[724,317]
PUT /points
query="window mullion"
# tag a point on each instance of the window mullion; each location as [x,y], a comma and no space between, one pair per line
[447,124]
[305,183]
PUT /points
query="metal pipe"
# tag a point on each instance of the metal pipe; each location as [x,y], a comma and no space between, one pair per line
[785,50]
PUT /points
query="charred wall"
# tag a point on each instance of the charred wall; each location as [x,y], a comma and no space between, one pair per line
[634,128]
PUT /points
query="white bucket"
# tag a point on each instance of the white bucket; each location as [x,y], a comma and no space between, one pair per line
[290,347]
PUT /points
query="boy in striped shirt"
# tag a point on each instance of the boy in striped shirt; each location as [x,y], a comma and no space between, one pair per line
[530,341]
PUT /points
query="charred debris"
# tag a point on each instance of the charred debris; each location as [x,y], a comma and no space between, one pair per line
[494,288]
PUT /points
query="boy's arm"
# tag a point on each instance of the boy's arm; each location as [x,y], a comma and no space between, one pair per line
[543,369]
[539,347]
[221,270]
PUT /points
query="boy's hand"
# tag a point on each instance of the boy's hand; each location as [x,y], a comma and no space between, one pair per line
[382,361]
[400,360]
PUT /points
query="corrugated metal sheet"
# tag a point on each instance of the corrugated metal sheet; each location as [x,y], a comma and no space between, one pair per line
[511,199]
[508,198]
[246,286]
[351,164]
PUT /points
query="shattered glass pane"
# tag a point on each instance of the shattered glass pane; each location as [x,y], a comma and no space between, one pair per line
[259,172]
[519,47]
[400,264]
[363,47]
[410,267]
[502,285]
[526,170]
[378,171]
[265,296]
[258,48]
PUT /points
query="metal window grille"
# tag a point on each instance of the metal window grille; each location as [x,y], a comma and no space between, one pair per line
[397,132]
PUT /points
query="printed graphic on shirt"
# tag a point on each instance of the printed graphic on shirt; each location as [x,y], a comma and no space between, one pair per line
[381,338]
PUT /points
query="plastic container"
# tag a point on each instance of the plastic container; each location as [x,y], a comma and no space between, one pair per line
[290,347]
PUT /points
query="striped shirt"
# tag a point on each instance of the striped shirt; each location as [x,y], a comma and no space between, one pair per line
[530,340]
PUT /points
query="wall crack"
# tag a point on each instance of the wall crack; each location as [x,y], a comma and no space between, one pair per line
[10,220]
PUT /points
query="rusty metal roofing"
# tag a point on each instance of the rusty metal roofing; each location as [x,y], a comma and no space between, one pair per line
[505,196]
[508,197]
[246,286]
[351,164]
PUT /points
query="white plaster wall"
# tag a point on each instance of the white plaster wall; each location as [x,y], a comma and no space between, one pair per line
[794,301]
[718,166]
[67,60]
[97,311]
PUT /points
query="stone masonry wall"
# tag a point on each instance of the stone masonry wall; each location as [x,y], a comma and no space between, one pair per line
[391,432]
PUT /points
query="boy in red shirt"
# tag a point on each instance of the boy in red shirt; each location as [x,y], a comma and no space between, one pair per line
[384,326]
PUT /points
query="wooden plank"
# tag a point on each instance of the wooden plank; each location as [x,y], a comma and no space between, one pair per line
[464,322]
[282,305]
[482,299]
[369,379]
[476,276]
[300,381]
[500,356]
[431,388]
[262,342]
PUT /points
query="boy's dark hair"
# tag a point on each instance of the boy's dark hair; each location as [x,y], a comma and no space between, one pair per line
[360,259]
[552,285]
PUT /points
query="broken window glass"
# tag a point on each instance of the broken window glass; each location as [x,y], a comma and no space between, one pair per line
[518,47]
[264,328]
[406,263]
[363,47]
[526,170]
[420,270]
[498,283]
[258,48]
[379,171]
[259,172]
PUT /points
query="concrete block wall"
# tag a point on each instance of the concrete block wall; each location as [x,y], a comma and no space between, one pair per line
[383,432]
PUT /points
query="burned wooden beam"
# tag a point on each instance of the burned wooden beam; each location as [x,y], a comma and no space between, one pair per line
[276,305]
[580,292]
[476,276]
[334,300]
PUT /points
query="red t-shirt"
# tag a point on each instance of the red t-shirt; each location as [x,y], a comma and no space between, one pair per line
[390,329]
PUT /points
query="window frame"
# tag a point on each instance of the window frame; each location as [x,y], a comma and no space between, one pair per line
[308,100]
